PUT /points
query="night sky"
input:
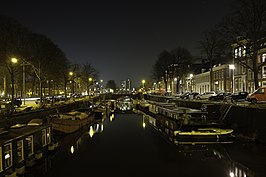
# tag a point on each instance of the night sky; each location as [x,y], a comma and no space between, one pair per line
[120,39]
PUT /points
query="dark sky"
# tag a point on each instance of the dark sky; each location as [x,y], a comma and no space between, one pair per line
[120,39]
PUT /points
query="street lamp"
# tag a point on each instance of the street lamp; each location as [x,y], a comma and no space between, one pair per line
[143,83]
[175,83]
[13,61]
[88,86]
[232,67]
[190,81]
[72,81]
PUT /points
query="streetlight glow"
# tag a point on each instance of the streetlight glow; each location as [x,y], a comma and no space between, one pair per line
[14,60]
[71,73]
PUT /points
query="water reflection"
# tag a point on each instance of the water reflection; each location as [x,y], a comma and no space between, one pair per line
[111,117]
[223,151]
[151,151]
[95,128]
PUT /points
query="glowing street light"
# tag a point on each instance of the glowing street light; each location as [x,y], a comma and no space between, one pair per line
[232,67]
[72,81]
[13,61]
[143,83]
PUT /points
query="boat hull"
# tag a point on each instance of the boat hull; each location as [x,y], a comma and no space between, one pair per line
[69,126]
[204,134]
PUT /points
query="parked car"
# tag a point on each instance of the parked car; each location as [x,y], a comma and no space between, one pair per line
[219,96]
[258,95]
[238,96]
[189,95]
[205,95]
[17,101]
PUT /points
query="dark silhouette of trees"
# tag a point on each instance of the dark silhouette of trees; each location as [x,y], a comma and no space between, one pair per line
[87,72]
[213,49]
[169,65]
[44,61]
[181,66]
[111,85]
[160,68]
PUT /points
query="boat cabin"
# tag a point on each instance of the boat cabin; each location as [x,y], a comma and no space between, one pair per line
[21,145]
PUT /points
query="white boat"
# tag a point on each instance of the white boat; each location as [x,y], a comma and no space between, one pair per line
[204,133]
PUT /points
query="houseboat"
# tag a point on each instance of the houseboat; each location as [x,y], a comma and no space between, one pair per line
[22,145]
[71,121]
[124,104]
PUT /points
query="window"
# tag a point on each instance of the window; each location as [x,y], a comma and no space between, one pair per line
[239,51]
[20,151]
[263,58]
[30,145]
[236,52]
[8,155]
[264,72]
[49,135]
[44,142]
[244,51]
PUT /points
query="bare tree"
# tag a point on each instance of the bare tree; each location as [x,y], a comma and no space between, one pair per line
[212,47]
[248,20]
[160,68]
[87,72]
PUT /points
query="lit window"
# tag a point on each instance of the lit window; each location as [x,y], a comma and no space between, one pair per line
[239,51]
[20,151]
[44,142]
[236,52]
[30,145]
[49,135]
[264,71]
[244,51]
[8,155]
[263,59]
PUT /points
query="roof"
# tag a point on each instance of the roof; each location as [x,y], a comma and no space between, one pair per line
[17,133]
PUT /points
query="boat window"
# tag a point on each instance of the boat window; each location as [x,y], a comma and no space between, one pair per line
[8,155]
[20,151]
[44,142]
[30,145]
[1,166]
[49,135]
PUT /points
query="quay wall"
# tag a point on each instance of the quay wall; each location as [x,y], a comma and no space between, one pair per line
[248,122]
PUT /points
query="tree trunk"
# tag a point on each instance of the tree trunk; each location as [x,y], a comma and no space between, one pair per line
[211,80]
[255,68]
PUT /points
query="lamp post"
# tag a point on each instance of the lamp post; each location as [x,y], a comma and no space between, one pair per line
[143,83]
[190,81]
[88,89]
[175,85]
[232,67]
[72,81]
[101,85]
[37,72]
[13,61]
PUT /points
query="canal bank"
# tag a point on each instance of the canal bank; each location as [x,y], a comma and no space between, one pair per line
[248,122]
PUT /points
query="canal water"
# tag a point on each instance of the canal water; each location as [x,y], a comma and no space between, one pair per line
[123,145]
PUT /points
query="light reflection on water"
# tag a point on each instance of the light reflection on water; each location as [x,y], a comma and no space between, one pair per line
[125,144]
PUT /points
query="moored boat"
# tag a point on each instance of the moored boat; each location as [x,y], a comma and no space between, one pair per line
[207,134]
[71,121]
[124,104]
